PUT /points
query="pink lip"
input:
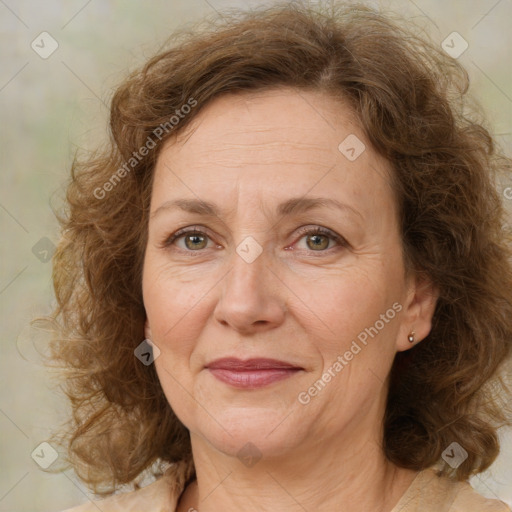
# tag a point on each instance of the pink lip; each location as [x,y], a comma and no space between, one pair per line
[251,374]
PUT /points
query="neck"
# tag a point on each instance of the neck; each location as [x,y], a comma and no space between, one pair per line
[351,475]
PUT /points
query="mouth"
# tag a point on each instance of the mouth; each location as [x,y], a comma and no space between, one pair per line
[252,373]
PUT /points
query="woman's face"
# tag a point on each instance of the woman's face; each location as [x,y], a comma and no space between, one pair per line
[271,333]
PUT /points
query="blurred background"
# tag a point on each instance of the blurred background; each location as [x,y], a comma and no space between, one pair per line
[60,63]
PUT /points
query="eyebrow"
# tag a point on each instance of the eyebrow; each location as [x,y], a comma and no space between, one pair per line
[292,206]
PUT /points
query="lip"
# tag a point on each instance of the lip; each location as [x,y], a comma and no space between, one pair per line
[251,373]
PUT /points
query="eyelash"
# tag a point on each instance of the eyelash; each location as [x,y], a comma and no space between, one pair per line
[318,230]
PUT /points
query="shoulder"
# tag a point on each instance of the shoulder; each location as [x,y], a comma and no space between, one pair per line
[159,496]
[430,492]
[467,498]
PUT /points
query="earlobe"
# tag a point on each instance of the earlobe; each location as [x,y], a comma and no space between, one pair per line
[418,313]
[147,330]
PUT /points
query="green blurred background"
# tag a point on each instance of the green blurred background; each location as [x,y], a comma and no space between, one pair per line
[52,106]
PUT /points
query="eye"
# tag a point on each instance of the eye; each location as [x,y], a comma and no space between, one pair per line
[319,238]
[193,238]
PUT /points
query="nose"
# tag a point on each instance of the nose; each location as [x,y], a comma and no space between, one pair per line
[251,298]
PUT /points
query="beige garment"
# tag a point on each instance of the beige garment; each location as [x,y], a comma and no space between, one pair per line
[427,493]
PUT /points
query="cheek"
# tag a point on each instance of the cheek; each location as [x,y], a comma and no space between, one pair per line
[362,311]
[343,306]
[361,314]
[174,307]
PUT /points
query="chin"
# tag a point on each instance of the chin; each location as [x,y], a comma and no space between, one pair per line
[252,432]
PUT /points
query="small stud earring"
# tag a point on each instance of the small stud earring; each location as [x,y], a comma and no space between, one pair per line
[411,337]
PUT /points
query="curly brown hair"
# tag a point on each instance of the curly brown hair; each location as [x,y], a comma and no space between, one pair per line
[411,101]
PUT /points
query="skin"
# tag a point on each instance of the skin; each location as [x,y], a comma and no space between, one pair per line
[295,302]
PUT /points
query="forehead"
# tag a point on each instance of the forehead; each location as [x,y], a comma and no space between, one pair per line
[264,120]
[271,143]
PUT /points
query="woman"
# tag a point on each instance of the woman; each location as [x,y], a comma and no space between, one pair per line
[285,285]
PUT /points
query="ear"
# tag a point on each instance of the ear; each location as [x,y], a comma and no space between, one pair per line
[418,311]
[147,330]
